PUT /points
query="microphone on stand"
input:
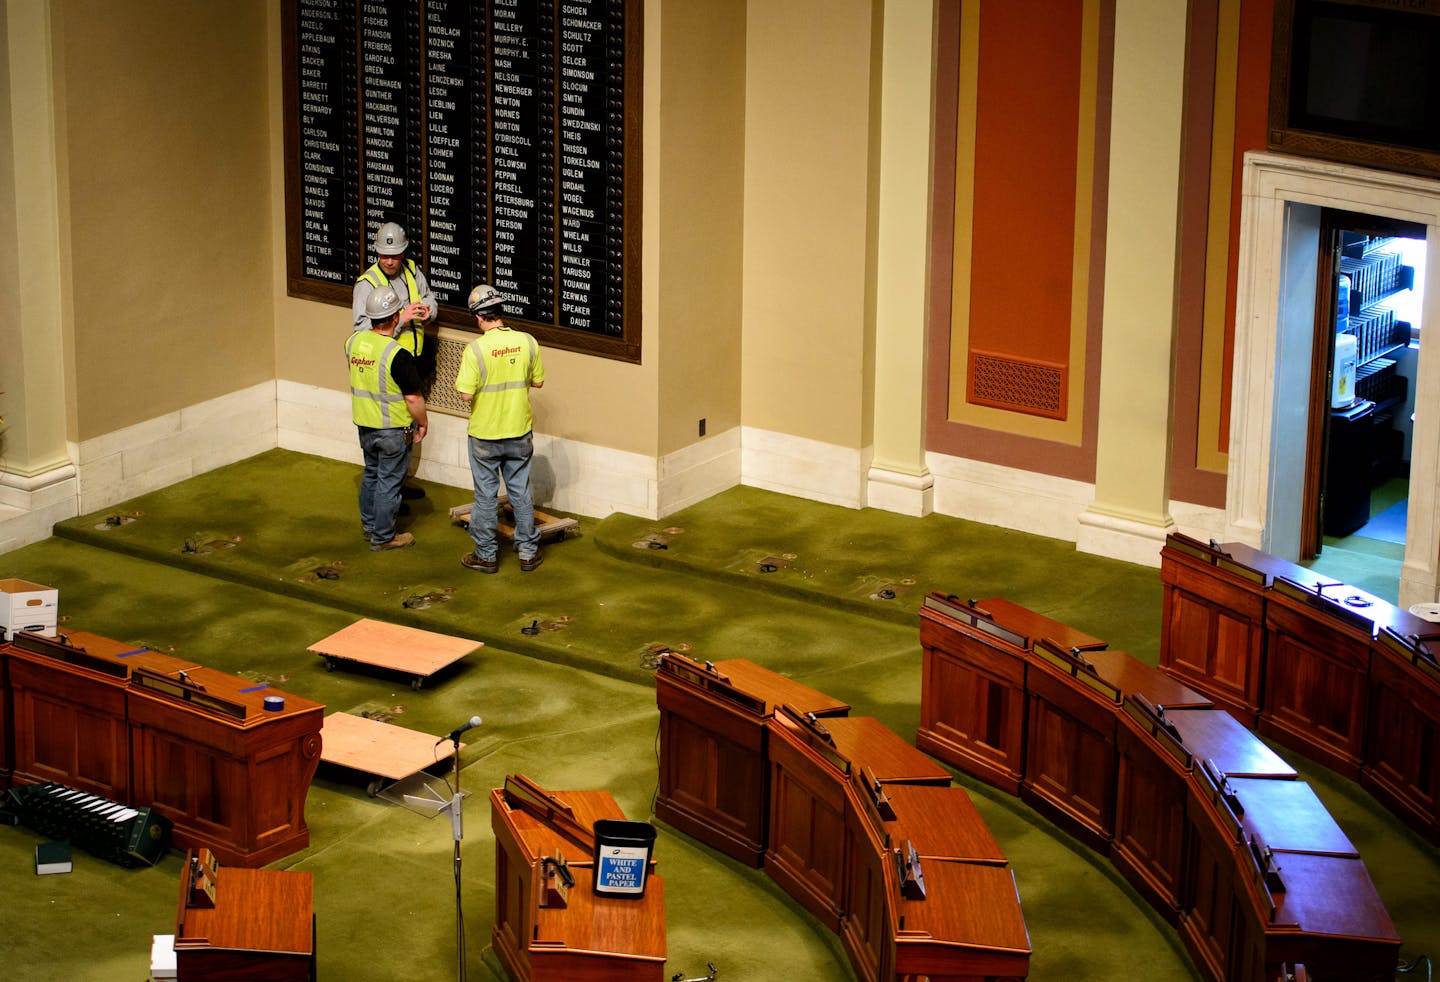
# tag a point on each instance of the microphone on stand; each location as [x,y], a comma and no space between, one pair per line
[454,735]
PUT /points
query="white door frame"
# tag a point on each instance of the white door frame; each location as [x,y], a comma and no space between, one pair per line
[1271,183]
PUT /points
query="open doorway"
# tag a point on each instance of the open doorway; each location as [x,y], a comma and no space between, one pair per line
[1370,285]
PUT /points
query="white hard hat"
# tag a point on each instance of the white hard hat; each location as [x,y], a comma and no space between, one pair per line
[390,240]
[382,303]
[484,297]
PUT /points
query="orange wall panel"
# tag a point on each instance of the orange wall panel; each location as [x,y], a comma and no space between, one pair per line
[1027,124]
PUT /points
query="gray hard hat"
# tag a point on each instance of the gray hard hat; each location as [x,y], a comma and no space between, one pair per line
[390,240]
[382,303]
[485,297]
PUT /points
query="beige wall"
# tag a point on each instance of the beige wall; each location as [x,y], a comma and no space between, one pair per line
[164,127]
[702,186]
[809,168]
[11,380]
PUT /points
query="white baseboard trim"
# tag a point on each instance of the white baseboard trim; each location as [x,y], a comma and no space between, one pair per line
[147,456]
[802,467]
[905,494]
[31,505]
[1103,534]
[1008,497]
[699,471]
[568,475]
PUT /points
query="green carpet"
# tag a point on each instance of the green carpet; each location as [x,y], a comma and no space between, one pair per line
[225,569]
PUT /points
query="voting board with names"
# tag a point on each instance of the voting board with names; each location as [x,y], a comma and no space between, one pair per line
[501,134]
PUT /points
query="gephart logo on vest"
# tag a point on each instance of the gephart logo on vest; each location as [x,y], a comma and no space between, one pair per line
[359,362]
[502,352]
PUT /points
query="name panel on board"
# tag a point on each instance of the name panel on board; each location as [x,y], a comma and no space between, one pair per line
[503,135]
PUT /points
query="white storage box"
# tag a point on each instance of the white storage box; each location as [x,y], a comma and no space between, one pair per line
[162,958]
[26,606]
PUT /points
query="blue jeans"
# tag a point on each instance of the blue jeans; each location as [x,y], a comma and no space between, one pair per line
[386,454]
[491,460]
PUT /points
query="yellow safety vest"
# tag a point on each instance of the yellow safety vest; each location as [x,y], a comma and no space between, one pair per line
[411,334]
[374,399]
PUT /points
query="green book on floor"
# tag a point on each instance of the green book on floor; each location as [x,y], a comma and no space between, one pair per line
[52,857]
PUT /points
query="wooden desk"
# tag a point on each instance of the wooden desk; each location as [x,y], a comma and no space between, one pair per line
[810,770]
[1212,632]
[1402,766]
[969,924]
[972,697]
[1316,675]
[1330,917]
[714,768]
[978,934]
[68,710]
[1152,786]
[262,927]
[584,938]
[233,784]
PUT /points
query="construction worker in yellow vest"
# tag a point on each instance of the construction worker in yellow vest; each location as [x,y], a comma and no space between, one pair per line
[497,371]
[389,413]
[392,268]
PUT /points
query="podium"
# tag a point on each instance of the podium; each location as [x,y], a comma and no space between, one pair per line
[549,924]
[234,923]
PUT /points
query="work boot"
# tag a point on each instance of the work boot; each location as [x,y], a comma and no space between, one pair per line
[400,541]
[472,561]
[526,565]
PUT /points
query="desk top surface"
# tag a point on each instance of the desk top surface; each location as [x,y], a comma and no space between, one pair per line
[942,823]
[1036,626]
[255,910]
[1287,815]
[867,742]
[966,904]
[1213,734]
[614,926]
[1132,676]
[1331,895]
[776,689]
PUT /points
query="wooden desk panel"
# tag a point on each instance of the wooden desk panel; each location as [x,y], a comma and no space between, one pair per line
[1212,631]
[714,774]
[234,786]
[69,723]
[1133,677]
[1071,764]
[805,854]
[1316,683]
[1287,816]
[889,937]
[972,700]
[1151,832]
[1402,765]
[867,742]
[1330,917]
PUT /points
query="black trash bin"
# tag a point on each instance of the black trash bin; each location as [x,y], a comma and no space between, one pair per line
[622,857]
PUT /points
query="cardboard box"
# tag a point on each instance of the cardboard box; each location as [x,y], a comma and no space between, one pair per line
[26,606]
